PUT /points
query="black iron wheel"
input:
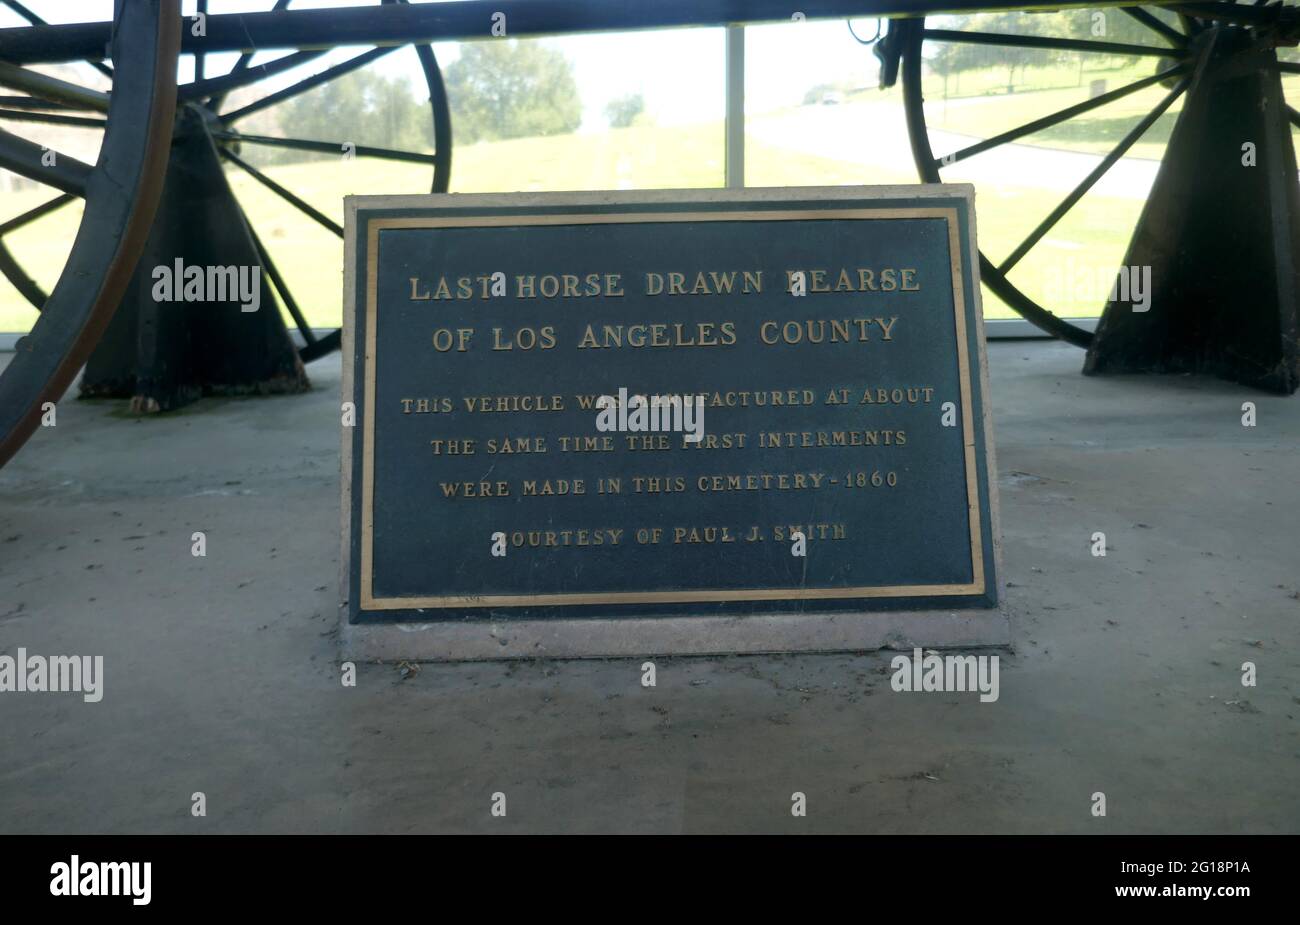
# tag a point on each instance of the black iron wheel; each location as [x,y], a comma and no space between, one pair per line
[214,91]
[121,192]
[206,97]
[1174,45]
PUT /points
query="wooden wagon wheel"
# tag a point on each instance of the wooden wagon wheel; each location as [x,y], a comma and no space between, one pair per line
[121,193]
[212,94]
[203,102]
[1175,49]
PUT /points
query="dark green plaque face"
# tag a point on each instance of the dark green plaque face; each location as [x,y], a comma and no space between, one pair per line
[818,443]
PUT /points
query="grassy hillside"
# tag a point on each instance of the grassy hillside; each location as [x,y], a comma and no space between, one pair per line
[1094,234]
[311,258]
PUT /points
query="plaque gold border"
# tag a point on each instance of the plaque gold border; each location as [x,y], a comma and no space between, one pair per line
[373,226]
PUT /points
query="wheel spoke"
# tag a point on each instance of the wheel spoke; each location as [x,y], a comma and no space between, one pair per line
[242,63]
[240,66]
[318,348]
[1062,115]
[1078,192]
[249,75]
[1289,67]
[32,215]
[285,295]
[31,102]
[26,286]
[26,158]
[1043,41]
[37,21]
[1155,24]
[51,88]
[329,147]
[20,115]
[315,80]
[1293,115]
[303,206]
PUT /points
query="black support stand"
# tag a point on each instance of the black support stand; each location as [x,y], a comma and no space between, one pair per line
[1222,238]
[164,354]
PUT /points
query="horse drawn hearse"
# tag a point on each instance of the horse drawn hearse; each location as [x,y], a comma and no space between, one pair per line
[1219,232]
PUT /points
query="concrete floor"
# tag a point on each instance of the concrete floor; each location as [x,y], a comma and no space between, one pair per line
[221,673]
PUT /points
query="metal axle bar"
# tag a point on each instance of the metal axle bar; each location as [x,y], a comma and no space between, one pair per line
[459,20]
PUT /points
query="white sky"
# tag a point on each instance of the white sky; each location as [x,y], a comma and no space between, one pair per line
[679,72]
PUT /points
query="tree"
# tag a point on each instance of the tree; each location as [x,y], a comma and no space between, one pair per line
[944,60]
[623,111]
[511,89]
[363,107]
[1113,25]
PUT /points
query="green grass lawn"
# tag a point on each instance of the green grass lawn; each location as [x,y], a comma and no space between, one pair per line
[1094,234]
[311,257]
[1096,132]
